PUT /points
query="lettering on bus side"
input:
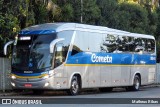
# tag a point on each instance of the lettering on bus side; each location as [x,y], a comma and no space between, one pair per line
[152,58]
[105,59]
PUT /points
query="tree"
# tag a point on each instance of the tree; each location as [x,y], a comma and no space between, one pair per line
[90,12]
[158,24]
[137,17]
[157,35]
[20,14]
[107,9]
[71,11]
[7,22]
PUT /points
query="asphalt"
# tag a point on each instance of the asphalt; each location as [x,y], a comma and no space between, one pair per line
[17,93]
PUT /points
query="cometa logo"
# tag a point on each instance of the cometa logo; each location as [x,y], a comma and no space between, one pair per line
[105,59]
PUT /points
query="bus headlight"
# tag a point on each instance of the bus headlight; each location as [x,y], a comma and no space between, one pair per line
[13,77]
[51,73]
[46,77]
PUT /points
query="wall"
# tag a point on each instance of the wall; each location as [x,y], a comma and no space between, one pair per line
[5,68]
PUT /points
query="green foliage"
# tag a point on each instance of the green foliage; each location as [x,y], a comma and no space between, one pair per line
[38,12]
[20,14]
[91,12]
[153,20]
[107,9]
[67,13]
[124,16]
[139,17]
[158,23]
[72,10]
[7,22]
[136,18]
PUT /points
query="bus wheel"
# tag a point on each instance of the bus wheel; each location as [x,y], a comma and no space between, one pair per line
[136,84]
[75,86]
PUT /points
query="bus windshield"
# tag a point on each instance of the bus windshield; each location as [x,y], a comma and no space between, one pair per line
[34,53]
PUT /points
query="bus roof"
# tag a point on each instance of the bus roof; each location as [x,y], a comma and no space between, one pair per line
[49,28]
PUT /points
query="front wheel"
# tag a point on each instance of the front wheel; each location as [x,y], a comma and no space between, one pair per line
[75,86]
[136,84]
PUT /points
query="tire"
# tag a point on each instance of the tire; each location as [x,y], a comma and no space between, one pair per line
[136,84]
[75,86]
[106,89]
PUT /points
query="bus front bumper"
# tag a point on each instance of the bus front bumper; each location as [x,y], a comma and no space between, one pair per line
[48,83]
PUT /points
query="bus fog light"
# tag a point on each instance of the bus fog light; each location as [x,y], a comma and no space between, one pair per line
[46,84]
[13,84]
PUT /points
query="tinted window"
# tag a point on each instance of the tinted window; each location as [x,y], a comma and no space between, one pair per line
[67,35]
[122,43]
[80,42]
[75,50]
[131,44]
[108,43]
[94,41]
[144,45]
[138,45]
[151,46]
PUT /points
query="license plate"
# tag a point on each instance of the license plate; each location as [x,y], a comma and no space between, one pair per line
[28,85]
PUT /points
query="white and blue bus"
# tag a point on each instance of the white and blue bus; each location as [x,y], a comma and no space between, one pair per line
[71,56]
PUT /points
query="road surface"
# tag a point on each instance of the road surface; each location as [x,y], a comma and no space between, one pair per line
[93,98]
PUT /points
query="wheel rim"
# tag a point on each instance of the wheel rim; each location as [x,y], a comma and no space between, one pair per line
[75,87]
[137,84]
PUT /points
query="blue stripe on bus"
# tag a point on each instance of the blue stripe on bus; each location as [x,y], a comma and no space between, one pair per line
[24,74]
[36,32]
[111,59]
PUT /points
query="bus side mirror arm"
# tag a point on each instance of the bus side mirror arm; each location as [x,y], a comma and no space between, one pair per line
[52,44]
[6,45]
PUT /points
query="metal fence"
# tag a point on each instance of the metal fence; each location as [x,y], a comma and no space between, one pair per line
[5,69]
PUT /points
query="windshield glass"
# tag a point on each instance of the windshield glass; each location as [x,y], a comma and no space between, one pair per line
[33,53]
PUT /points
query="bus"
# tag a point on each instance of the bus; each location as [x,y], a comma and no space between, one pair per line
[72,57]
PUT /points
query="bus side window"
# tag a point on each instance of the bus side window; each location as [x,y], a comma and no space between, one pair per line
[139,45]
[75,50]
[122,42]
[131,44]
[59,55]
[109,43]
[144,44]
[150,46]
